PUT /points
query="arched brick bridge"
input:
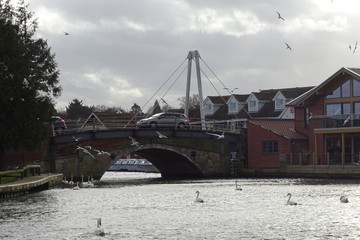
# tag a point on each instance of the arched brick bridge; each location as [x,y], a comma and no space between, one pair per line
[184,154]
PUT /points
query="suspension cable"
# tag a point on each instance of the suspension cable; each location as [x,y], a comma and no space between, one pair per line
[137,113]
[224,88]
[171,86]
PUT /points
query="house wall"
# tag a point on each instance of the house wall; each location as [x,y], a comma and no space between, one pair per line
[258,160]
[299,121]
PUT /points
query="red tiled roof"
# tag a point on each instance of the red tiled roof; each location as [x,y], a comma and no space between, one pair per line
[285,128]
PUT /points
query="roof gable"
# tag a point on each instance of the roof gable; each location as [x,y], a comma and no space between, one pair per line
[352,72]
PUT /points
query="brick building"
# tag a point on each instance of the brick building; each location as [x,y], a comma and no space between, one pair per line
[329,115]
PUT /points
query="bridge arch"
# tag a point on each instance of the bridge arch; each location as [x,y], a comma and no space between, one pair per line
[184,154]
[170,162]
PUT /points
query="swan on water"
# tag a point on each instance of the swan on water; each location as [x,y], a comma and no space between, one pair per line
[344,199]
[99,231]
[71,182]
[77,186]
[88,184]
[289,202]
[197,198]
[237,187]
[66,182]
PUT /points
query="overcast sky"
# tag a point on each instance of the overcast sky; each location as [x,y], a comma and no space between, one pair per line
[120,52]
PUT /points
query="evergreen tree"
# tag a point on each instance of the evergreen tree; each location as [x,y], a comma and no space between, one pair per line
[28,81]
[136,109]
[156,108]
[77,109]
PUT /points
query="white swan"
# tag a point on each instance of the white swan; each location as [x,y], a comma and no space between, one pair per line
[99,231]
[77,186]
[87,184]
[71,180]
[344,199]
[197,198]
[237,187]
[66,182]
[289,202]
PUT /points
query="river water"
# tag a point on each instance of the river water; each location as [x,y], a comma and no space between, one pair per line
[144,206]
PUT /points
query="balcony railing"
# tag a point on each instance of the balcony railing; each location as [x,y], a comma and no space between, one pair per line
[336,121]
[322,159]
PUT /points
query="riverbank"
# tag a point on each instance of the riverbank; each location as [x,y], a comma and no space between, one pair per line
[29,184]
[306,171]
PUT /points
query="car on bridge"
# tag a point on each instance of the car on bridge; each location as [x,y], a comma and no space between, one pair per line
[59,125]
[165,120]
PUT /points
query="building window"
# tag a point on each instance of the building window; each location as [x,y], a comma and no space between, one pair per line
[333,109]
[253,105]
[232,107]
[279,103]
[342,91]
[269,147]
[356,107]
[208,107]
[356,88]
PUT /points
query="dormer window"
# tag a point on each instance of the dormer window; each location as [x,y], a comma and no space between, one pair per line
[279,103]
[253,105]
[232,107]
[208,108]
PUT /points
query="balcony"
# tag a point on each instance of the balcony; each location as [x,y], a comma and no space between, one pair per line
[335,121]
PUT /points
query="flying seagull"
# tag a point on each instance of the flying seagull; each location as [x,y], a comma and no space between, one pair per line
[280,17]
[85,151]
[231,90]
[216,135]
[288,46]
[161,135]
[76,139]
[346,120]
[134,142]
[66,33]
[103,153]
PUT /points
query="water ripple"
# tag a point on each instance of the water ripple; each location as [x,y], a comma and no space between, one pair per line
[139,206]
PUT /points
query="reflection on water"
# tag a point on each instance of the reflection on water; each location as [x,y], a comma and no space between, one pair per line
[143,206]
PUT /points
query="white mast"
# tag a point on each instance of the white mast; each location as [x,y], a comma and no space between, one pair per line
[194,55]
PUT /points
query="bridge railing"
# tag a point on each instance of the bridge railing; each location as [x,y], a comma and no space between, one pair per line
[74,127]
[219,126]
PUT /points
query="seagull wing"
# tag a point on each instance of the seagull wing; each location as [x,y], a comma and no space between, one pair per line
[288,46]
[134,142]
[132,139]
[280,17]
[80,148]
[161,135]
[213,134]
[355,47]
[87,152]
